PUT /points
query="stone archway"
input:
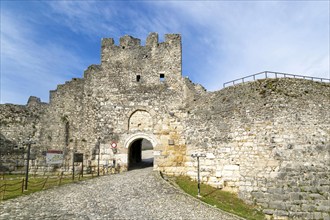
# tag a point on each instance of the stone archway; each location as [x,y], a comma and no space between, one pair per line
[140,120]
[140,151]
[140,155]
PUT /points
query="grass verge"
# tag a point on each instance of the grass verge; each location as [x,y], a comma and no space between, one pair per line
[14,186]
[218,198]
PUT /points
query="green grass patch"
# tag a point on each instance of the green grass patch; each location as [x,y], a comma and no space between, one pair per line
[12,187]
[223,200]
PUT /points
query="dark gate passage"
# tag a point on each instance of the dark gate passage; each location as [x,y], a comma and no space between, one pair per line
[140,154]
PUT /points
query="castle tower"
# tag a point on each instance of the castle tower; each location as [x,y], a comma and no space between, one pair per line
[151,64]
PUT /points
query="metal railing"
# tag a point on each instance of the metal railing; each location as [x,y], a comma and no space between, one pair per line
[270,74]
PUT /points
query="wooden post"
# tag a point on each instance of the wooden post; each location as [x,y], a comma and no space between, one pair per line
[22,185]
[27,166]
[60,179]
[82,169]
[43,187]
[29,142]
[73,166]
[4,191]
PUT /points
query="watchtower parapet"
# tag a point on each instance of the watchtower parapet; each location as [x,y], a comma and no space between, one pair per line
[128,42]
[149,64]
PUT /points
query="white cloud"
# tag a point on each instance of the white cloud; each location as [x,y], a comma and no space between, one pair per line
[29,65]
[221,40]
[88,17]
[243,38]
[112,19]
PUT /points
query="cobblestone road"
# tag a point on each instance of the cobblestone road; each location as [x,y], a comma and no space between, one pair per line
[137,194]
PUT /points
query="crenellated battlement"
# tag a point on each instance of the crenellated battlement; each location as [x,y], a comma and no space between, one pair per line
[128,42]
[173,39]
[129,47]
[152,40]
[148,64]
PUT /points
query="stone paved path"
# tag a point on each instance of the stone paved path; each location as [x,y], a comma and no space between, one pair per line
[137,194]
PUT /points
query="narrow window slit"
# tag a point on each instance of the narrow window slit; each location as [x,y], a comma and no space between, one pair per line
[162,77]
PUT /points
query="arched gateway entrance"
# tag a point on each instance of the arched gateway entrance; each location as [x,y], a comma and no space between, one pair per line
[140,154]
[140,151]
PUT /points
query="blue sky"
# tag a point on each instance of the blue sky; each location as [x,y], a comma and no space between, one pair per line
[45,43]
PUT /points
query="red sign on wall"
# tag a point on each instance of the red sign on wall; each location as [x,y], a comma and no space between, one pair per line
[114,145]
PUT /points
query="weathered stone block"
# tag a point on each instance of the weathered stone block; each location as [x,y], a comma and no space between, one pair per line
[231,168]
[258,195]
[277,205]
[326,216]
[281,213]
[268,211]
[294,208]
[323,208]
[317,215]
[210,156]
[295,196]
[308,208]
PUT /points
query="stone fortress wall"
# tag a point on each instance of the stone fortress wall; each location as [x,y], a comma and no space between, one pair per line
[17,123]
[267,140]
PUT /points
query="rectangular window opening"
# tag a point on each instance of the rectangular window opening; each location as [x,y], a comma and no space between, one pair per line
[138,78]
[162,77]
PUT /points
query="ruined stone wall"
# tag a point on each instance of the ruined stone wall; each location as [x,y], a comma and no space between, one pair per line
[18,123]
[62,122]
[267,140]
